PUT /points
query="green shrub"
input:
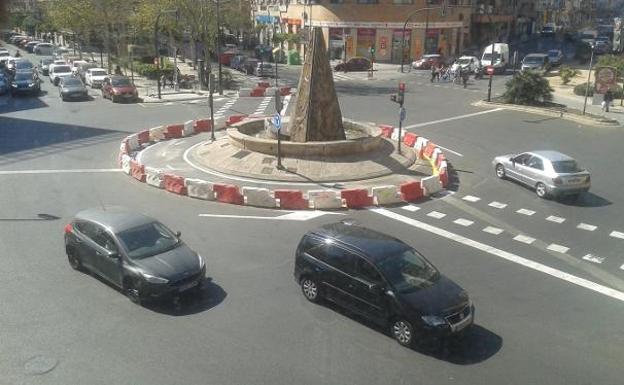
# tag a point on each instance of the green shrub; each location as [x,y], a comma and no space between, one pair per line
[580,90]
[566,73]
[612,61]
[529,88]
[151,72]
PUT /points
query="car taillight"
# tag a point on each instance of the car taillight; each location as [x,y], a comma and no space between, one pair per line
[557,180]
[68,228]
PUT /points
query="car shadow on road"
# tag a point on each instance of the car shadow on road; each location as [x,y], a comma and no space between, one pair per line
[587,199]
[193,302]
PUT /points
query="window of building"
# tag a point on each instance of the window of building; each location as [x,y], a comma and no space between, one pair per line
[402,1]
[336,1]
[367,1]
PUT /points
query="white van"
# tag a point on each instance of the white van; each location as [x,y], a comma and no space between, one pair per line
[499,60]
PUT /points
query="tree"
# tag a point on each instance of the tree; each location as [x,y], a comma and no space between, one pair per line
[529,88]
[566,73]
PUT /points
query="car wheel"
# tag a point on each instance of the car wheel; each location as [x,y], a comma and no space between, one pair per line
[113,99]
[402,331]
[500,171]
[310,289]
[540,190]
[132,291]
[74,260]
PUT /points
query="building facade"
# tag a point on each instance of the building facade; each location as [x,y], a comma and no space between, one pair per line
[352,27]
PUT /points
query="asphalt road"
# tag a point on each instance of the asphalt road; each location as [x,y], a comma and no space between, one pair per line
[535,324]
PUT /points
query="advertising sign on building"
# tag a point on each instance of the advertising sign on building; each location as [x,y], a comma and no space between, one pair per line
[606,79]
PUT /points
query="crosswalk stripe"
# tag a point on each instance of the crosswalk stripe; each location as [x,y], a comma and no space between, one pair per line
[594,258]
[524,239]
[585,226]
[463,222]
[493,230]
[436,215]
[555,219]
[497,205]
[558,248]
[411,208]
[471,198]
[525,212]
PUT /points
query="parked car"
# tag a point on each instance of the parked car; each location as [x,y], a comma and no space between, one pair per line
[547,31]
[30,46]
[250,66]
[95,76]
[555,57]
[44,49]
[536,62]
[550,173]
[601,47]
[471,63]
[71,87]
[4,57]
[44,65]
[25,82]
[354,64]
[119,88]
[4,84]
[382,279]
[427,61]
[133,252]
[238,62]
[57,71]
[264,70]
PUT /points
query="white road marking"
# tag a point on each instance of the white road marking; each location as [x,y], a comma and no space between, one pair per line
[617,234]
[411,208]
[587,284]
[555,219]
[493,230]
[178,142]
[452,118]
[471,198]
[558,248]
[497,205]
[525,212]
[69,171]
[524,239]
[293,216]
[449,150]
[463,222]
[594,258]
[169,104]
[436,215]
[622,267]
[585,226]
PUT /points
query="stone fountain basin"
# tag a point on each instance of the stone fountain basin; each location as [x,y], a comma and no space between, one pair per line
[243,135]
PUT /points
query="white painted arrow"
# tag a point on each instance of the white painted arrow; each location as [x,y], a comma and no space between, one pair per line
[292,216]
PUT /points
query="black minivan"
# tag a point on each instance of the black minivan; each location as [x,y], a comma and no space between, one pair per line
[383,279]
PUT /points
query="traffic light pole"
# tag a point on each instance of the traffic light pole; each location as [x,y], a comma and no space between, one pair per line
[278,109]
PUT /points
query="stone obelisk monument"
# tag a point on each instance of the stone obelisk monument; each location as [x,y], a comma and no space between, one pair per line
[316,116]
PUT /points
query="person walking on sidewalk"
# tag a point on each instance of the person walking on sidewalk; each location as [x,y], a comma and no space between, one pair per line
[607,100]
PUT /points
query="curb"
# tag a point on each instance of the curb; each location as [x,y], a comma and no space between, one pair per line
[597,122]
[185,99]
[288,199]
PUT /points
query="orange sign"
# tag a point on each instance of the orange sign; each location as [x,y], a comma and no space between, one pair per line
[382,42]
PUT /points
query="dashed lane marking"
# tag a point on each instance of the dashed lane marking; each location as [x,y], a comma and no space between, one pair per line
[525,212]
[524,239]
[558,248]
[585,226]
[411,208]
[617,234]
[497,205]
[587,284]
[595,259]
[463,222]
[436,215]
[471,198]
[493,230]
[555,219]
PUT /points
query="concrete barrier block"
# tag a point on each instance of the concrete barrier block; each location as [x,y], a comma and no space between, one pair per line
[154,177]
[386,195]
[133,142]
[260,197]
[421,143]
[325,199]
[125,163]
[157,134]
[271,91]
[436,153]
[200,189]
[188,128]
[244,92]
[431,184]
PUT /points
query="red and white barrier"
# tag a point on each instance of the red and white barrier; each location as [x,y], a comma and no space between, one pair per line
[125,163]
[260,197]
[421,143]
[202,125]
[324,199]
[154,177]
[137,170]
[431,184]
[133,142]
[244,92]
[258,91]
[271,91]
[174,131]
[291,199]
[356,198]
[386,195]
[188,128]
[200,189]
[174,184]
[157,133]
[228,193]
[410,139]
[411,191]
[144,137]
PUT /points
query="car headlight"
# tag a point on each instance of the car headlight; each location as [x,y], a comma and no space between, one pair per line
[202,263]
[31,84]
[434,320]
[153,279]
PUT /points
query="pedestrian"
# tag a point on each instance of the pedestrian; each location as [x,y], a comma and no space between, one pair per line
[607,100]
[433,72]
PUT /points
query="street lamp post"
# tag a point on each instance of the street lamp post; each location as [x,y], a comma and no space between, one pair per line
[591,63]
[219,47]
[156,46]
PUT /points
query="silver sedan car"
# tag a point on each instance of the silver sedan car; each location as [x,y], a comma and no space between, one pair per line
[550,173]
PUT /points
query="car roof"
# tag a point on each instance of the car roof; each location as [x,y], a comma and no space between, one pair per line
[115,218]
[553,156]
[96,69]
[536,55]
[373,244]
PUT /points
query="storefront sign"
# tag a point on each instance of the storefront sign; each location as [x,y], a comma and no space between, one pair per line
[605,79]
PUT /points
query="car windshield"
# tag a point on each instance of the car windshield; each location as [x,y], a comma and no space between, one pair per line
[121,82]
[147,240]
[408,271]
[463,61]
[72,82]
[488,56]
[20,65]
[98,73]
[533,59]
[553,53]
[566,166]
[61,68]
[20,76]
[47,61]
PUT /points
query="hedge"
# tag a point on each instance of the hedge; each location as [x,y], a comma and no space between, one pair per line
[580,90]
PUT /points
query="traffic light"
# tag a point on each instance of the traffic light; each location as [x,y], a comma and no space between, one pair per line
[399,97]
[372,50]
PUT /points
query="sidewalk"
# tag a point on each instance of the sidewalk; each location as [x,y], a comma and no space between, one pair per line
[564,94]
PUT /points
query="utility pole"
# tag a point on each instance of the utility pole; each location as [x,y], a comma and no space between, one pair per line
[156,52]
[591,63]
[400,99]
[210,101]
[219,47]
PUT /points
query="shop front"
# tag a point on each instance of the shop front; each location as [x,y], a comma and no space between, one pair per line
[336,43]
[365,40]
[398,47]
[431,40]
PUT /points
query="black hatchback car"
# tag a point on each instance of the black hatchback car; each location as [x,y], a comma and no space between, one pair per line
[382,279]
[134,252]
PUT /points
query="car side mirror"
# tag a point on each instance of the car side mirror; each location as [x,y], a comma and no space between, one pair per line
[512,160]
[178,234]
[113,254]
